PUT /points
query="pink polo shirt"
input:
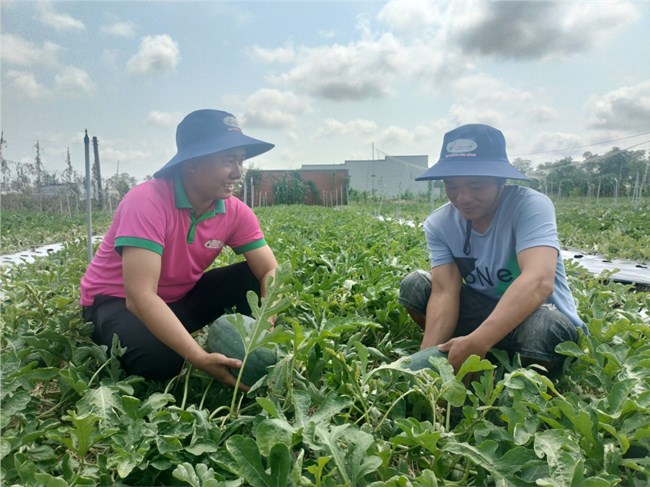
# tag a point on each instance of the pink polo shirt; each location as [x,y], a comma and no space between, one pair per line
[156,215]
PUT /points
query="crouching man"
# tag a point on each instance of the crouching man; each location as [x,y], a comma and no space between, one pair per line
[497,279]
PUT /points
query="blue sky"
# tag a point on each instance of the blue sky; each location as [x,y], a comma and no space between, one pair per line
[323,81]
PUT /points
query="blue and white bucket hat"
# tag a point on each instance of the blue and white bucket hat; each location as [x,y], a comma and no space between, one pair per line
[473,150]
[206,132]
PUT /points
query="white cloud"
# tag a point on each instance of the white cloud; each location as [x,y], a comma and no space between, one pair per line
[157,54]
[25,83]
[68,82]
[128,158]
[556,145]
[272,109]
[58,21]
[394,136]
[531,30]
[120,29]
[16,50]
[72,81]
[544,113]
[366,69]
[163,119]
[484,91]
[278,55]
[463,113]
[409,17]
[358,126]
[426,135]
[626,108]
[432,65]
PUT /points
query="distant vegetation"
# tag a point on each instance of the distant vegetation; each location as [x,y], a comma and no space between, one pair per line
[616,173]
[613,228]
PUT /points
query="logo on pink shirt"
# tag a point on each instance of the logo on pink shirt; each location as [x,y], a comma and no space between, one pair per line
[214,244]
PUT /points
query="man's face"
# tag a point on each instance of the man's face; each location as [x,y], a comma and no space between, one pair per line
[216,177]
[475,197]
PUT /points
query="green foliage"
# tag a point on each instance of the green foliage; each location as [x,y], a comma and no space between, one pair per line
[339,407]
[613,229]
[615,173]
[291,190]
[23,230]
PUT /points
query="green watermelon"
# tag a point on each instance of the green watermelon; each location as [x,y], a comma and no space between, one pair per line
[420,360]
[224,338]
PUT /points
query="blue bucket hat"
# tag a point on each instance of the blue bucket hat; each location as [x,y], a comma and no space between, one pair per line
[473,150]
[206,132]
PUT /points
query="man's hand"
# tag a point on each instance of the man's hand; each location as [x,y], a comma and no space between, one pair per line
[443,305]
[460,348]
[526,293]
[217,365]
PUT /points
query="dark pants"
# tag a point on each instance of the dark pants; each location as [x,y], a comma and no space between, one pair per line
[218,291]
[534,339]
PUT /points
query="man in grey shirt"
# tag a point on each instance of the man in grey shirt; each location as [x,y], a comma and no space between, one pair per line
[497,279]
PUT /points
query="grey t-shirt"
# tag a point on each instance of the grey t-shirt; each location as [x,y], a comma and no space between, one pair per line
[524,219]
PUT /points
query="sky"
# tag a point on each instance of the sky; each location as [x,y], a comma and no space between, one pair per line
[325,81]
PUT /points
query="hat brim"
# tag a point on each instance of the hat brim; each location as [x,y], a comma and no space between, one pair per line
[236,140]
[489,168]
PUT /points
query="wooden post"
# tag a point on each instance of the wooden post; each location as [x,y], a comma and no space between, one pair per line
[89,211]
[98,173]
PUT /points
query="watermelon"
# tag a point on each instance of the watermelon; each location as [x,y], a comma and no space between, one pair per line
[420,360]
[224,338]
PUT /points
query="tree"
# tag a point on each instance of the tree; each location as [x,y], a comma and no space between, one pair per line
[618,169]
[38,167]
[524,165]
[4,164]
[70,177]
[122,183]
[22,183]
[289,189]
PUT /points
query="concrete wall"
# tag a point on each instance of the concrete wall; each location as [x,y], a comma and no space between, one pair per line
[390,177]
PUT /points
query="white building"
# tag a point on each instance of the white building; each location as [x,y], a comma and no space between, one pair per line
[391,177]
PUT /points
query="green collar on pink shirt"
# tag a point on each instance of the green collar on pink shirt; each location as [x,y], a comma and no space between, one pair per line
[181,201]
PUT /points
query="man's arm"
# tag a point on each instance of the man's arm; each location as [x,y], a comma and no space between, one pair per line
[443,305]
[141,269]
[526,293]
[262,263]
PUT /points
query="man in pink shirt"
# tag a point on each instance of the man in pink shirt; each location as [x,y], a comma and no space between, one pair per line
[148,283]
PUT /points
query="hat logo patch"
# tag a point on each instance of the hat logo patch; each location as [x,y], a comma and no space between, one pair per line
[231,123]
[461,146]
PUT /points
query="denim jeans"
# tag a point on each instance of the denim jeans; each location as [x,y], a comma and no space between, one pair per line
[534,339]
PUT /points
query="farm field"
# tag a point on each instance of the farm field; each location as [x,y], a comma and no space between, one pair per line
[335,410]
